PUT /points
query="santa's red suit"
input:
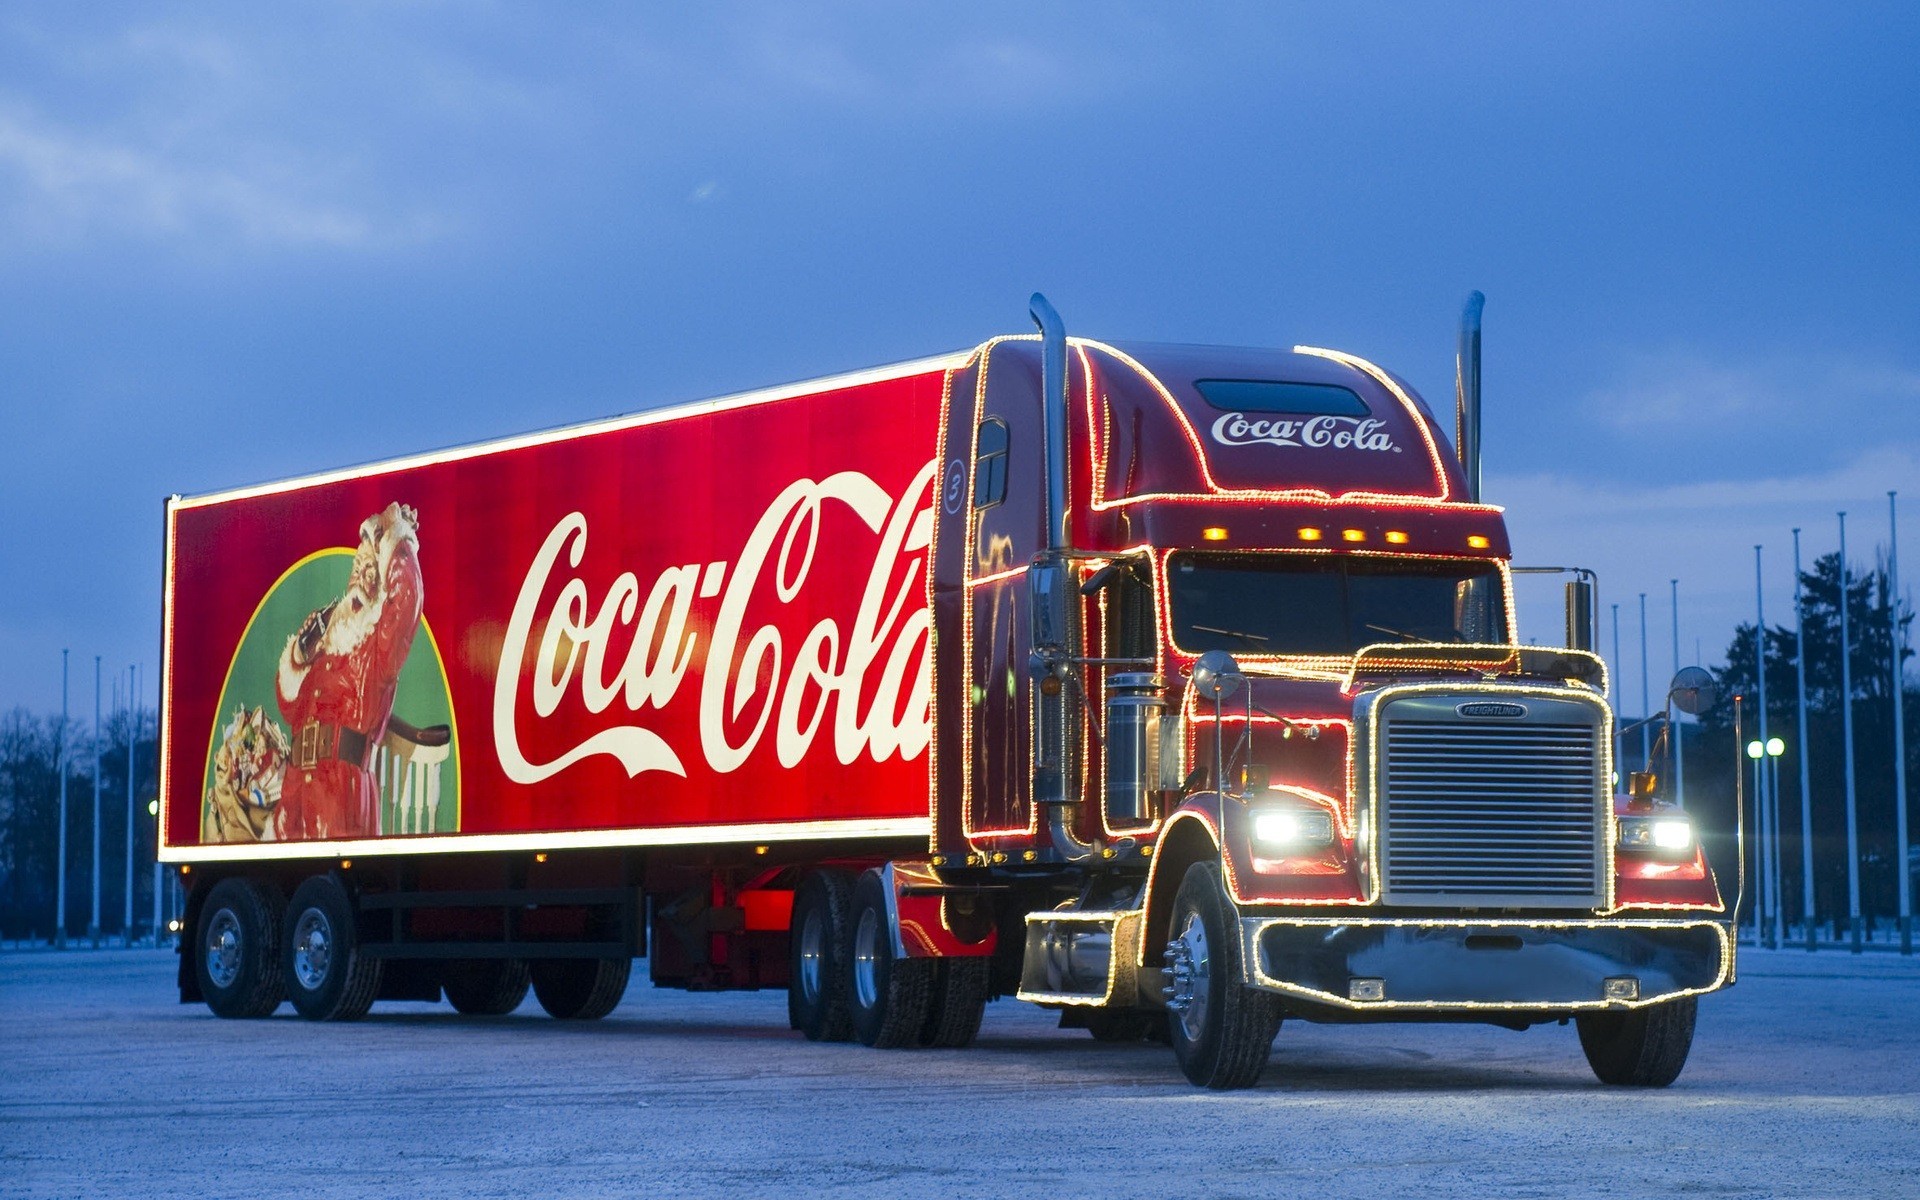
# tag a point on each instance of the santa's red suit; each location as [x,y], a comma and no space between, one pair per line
[336,684]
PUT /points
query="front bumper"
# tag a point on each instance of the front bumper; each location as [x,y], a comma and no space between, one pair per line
[1457,965]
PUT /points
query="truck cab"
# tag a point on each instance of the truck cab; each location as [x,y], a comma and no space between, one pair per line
[1233,722]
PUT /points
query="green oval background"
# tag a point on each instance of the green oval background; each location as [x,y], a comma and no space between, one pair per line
[421,697]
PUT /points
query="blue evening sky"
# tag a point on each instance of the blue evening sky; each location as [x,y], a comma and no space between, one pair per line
[243,241]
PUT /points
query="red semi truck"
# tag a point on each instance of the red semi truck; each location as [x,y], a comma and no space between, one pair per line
[1174,687]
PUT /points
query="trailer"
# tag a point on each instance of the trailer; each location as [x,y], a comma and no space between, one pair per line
[1176,688]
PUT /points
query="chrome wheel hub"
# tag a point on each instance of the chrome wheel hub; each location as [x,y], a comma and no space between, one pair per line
[312,949]
[223,948]
[813,941]
[866,959]
[1189,976]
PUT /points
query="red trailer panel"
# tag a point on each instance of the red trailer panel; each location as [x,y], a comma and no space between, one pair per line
[703,624]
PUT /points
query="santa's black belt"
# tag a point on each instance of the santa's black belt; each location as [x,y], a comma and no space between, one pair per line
[318,741]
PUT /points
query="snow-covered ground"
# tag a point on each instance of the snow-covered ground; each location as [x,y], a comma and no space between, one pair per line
[1805,1081]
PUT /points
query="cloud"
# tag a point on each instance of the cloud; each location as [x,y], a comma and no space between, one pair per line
[1659,392]
[65,185]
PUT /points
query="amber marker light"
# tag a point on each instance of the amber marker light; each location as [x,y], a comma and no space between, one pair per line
[346,864]
[1309,535]
[1397,537]
[1353,535]
[539,858]
[1214,533]
[1478,541]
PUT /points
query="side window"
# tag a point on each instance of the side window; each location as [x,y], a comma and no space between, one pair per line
[990,464]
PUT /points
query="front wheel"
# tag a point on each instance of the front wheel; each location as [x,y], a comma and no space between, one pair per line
[328,976]
[1221,1029]
[1643,1047]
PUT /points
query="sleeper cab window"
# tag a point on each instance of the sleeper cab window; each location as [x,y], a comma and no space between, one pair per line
[990,463]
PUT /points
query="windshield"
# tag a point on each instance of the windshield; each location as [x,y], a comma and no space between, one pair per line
[1330,604]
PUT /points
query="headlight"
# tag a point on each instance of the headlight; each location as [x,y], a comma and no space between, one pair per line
[1667,832]
[1292,829]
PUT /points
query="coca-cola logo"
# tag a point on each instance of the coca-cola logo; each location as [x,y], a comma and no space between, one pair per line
[865,678]
[1326,432]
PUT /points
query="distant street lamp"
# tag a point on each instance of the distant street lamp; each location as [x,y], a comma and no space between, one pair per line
[1897,635]
[1756,750]
[1857,928]
[1775,893]
[1806,786]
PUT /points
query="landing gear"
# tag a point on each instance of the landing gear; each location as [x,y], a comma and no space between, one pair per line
[1221,1029]
[817,980]
[327,976]
[1643,1047]
[238,936]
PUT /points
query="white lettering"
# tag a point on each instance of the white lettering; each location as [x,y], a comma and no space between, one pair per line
[1338,433]
[748,682]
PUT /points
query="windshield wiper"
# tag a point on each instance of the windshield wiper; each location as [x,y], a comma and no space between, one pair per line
[1402,634]
[1255,638]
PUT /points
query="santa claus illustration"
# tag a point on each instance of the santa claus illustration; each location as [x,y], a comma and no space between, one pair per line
[336,683]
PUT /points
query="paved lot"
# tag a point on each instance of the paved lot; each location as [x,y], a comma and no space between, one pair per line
[1805,1081]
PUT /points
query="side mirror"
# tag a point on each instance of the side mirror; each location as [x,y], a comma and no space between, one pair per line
[1694,690]
[1216,675]
[1050,600]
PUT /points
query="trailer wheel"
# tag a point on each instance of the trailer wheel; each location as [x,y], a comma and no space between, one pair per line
[328,977]
[1221,1029]
[817,958]
[485,987]
[890,996]
[239,934]
[960,987]
[580,989]
[1644,1047]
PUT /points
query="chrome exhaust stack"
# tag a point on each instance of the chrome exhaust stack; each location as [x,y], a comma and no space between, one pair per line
[1466,380]
[1053,610]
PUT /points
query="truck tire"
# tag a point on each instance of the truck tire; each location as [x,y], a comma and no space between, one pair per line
[818,941]
[959,1000]
[580,989]
[327,976]
[1643,1047]
[238,949]
[485,987]
[890,997]
[1224,1033]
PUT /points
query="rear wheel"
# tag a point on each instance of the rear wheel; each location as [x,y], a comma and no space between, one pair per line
[891,996]
[485,987]
[327,975]
[817,958]
[1221,1029]
[1643,1047]
[580,989]
[959,1000]
[239,938]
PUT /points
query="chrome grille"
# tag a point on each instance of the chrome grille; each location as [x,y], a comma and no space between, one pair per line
[1493,813]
